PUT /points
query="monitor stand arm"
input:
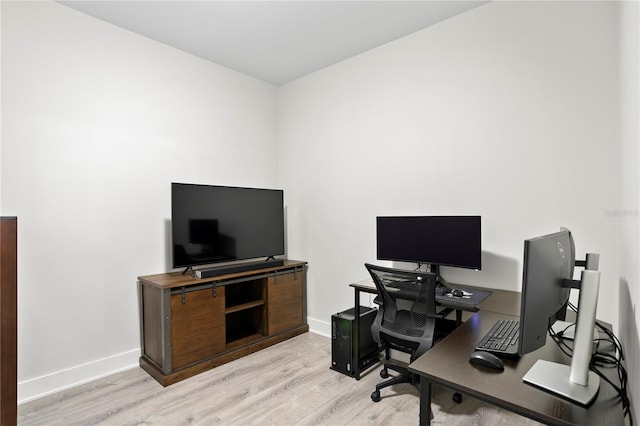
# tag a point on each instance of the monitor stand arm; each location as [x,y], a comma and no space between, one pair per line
[574,382]
[436,270]
[591,262]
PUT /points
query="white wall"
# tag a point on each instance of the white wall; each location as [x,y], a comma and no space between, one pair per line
[96,123]
[507,111]
[629,210]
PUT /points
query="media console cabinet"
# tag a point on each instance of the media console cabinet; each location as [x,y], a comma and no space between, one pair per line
[189,325]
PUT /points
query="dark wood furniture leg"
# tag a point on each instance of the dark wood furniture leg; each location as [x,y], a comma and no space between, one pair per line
[8,320]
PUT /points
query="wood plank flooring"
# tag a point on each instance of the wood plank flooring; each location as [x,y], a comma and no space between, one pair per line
[287,384]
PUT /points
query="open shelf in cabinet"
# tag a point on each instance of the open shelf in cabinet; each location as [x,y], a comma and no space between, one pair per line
[245,295]
[243,306]
[246,322]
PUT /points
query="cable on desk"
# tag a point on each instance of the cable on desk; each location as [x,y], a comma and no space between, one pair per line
[602,360]
[560,342]
[613,361]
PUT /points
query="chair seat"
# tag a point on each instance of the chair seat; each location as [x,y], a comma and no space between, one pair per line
[407,323]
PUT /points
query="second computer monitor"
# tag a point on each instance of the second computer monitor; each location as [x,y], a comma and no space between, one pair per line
[434,240]
[548,261]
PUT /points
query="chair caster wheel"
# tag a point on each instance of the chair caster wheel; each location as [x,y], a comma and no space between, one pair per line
[375,396]
[457,397]
[384,373]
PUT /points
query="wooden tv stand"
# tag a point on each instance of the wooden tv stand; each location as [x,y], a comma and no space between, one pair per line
[189,325]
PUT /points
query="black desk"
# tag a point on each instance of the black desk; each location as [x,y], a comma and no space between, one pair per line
[447,364]
[479,301]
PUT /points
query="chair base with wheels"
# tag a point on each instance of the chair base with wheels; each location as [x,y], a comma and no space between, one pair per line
[404,377]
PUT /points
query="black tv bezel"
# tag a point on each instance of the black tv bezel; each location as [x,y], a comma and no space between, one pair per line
[432,262]
[281,243]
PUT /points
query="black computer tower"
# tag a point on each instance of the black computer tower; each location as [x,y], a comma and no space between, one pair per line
[342,341]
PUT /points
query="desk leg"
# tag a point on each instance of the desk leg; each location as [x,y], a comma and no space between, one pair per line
[356,337]
[425,402]
[458,317]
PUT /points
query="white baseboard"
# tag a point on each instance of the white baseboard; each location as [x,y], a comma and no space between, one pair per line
[31,389]
[322,328]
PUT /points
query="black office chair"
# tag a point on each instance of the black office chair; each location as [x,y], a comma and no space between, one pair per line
[411,328]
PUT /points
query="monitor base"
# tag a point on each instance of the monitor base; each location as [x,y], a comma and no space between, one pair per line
[554,378]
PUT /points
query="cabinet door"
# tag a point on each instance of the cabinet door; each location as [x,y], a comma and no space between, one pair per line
[284,298]
[197,326]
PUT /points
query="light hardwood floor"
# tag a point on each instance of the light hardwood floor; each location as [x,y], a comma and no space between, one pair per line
[287,384]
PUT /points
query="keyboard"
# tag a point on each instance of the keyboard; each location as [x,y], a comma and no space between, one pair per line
[414,287]
[411,286]
[502,339]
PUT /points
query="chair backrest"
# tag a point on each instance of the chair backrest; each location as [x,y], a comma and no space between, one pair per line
[407,316]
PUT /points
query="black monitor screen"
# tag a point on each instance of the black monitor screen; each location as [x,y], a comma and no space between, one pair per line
[548,261]
[436,240]
[221,223]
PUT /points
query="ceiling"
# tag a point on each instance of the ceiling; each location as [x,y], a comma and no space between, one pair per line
[274,41]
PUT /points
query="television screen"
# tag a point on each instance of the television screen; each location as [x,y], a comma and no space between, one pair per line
[221,223]
[435,240]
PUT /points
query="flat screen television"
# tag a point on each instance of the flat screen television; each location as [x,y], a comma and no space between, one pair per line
[211,224]
[434,240]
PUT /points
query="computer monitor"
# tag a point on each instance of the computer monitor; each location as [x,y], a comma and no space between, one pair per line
[432,240]
[549,262]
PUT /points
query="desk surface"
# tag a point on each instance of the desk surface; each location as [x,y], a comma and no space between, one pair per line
[500,301]
[447,364]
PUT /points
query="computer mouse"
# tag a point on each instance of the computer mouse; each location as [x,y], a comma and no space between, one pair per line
[486,359]
[457,293]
